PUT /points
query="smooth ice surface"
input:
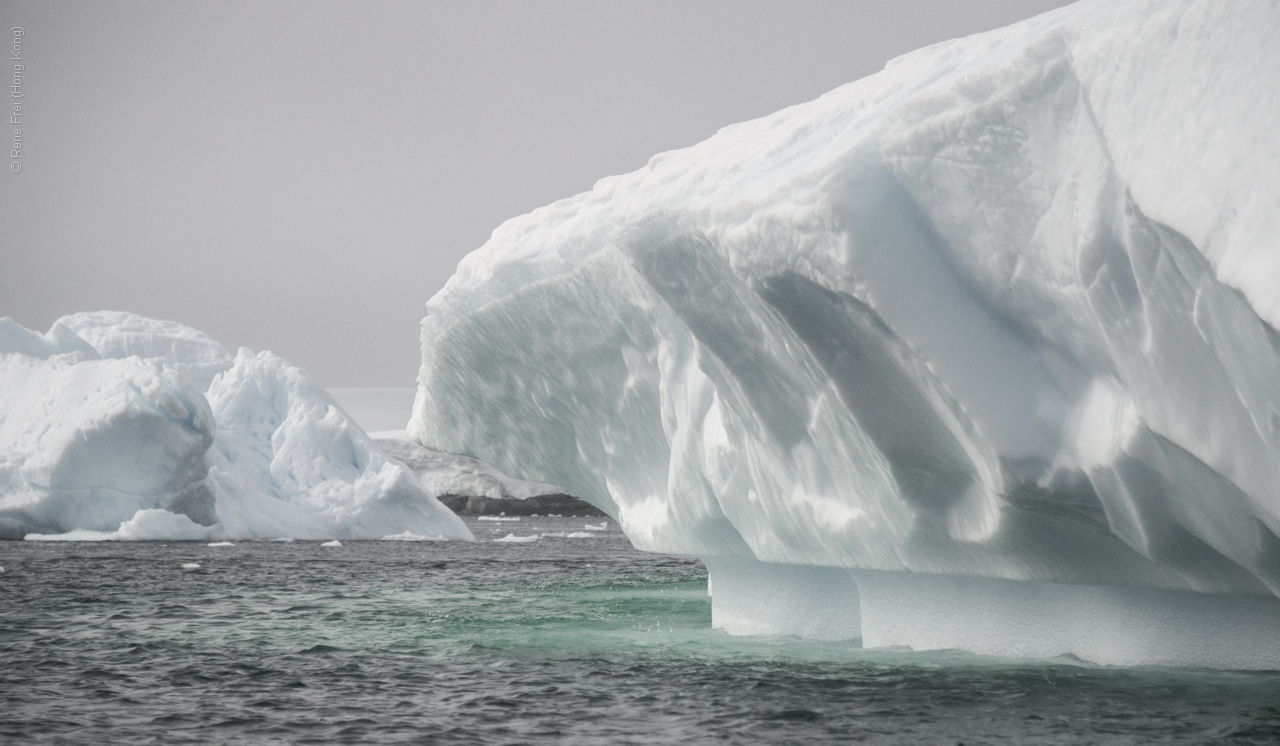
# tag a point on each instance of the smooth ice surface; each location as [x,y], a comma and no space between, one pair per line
[1006,309]
[118,427]
[1104,624]
[750,597]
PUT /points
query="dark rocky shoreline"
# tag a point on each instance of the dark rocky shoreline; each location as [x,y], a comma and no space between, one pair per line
[564,505]
[427,463]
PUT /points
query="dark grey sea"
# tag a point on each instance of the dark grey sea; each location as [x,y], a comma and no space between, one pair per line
[575,638]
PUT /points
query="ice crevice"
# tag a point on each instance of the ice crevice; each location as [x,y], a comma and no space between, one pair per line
[975,352]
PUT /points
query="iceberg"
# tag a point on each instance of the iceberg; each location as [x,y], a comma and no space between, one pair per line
[119,427]
[978,352]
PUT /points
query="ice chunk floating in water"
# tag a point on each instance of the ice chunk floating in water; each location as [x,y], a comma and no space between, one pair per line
[154,524]
[407,536]
[118,427]
[977,352]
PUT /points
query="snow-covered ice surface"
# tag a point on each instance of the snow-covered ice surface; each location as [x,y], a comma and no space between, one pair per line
[986,335]
[116,334]
[116,426]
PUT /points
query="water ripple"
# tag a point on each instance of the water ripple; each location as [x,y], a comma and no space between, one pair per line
[561,641]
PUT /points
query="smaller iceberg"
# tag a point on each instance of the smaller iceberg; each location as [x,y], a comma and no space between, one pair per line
[120,427]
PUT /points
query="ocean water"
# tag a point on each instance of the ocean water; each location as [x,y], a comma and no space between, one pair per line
[565,640]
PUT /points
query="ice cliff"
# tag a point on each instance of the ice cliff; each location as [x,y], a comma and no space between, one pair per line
[115,426]
[978,352]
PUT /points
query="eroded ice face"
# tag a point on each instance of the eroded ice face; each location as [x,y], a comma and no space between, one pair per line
[1006,309]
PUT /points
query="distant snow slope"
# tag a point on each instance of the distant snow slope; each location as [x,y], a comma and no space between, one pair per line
[1005,310]
[115,426]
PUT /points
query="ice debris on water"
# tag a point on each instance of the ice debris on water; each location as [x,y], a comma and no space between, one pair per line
[994,328]
[498,518]
[153,523]
[221,544]
[408,536]
[190,565]
[334,543]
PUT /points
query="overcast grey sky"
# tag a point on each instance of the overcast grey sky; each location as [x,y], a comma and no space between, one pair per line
[303,176]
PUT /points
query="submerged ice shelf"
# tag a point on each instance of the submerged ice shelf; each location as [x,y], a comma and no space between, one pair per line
[979,351]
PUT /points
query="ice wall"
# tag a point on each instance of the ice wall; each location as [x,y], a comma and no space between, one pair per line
[1005,310]
[115,426]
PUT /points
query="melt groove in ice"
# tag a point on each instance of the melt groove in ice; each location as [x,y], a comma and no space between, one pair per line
[1005,310]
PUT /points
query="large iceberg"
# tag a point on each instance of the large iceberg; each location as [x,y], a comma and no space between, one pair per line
[115,426]
[978,352]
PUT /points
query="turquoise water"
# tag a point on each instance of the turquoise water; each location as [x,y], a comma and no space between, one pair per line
[562,640]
